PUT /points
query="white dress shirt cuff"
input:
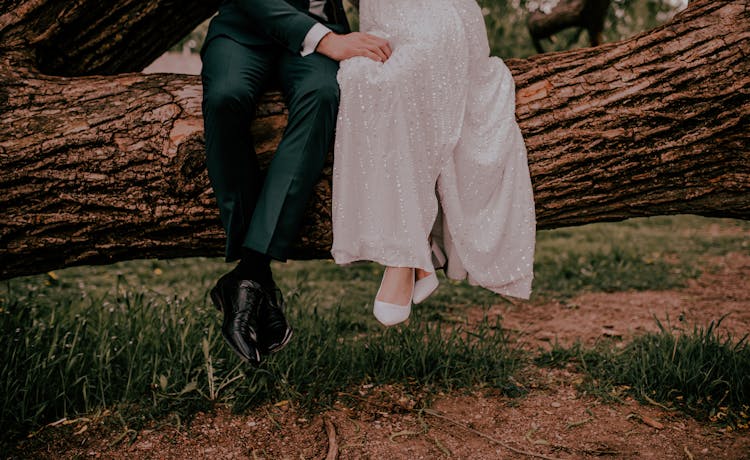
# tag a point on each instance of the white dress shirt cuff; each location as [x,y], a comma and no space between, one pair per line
[313,37]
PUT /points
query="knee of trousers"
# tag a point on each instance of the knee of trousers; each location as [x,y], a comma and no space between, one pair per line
[228,101]
[322,93]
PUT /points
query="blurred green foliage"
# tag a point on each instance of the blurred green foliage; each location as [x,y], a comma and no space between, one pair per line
[509,37]
[506,25]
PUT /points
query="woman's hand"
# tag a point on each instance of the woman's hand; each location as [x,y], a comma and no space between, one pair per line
[341,47]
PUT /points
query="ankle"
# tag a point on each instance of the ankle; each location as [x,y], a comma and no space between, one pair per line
[254,266]
[421,274]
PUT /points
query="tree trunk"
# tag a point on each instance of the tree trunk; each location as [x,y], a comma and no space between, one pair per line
[94,37]
[100,169]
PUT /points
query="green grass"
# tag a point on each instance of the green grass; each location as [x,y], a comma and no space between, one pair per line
[653,253]
[698,371]
[168,357]
[143,333]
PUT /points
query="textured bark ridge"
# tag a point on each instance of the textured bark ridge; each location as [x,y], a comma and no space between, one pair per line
[90,37]
[105,168]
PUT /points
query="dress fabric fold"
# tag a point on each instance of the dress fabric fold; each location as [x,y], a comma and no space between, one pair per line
[428,149]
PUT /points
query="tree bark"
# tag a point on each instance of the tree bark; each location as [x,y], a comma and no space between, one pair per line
[94,37]
[100,169]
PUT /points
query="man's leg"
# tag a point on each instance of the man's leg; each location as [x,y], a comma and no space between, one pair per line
[233,80]
[233,77]
[312,94]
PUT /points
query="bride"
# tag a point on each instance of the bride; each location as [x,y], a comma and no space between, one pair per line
[430,168]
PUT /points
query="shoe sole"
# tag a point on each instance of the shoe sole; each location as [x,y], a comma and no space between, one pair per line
[216,299]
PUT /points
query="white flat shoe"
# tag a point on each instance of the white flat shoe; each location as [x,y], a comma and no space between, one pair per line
[390,314]
[424,287]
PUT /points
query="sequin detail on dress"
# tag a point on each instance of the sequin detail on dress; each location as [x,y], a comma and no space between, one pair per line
[427,146]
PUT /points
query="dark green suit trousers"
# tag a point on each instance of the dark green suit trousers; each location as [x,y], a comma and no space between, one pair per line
[257,213]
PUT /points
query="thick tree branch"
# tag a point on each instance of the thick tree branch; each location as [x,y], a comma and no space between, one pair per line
[101,169]
[94,37]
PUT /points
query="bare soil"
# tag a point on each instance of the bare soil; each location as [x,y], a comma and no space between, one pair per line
[722,289]
[552,420]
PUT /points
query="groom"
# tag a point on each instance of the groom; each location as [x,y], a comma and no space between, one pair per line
[250,44]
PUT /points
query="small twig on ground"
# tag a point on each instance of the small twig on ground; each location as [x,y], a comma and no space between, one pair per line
[128,433]
[646,420]
[357,428]
[657,404]
[440,446]
[273,420]
[598,452]
[333,445]
[578,423]
[486,436]
[403,433]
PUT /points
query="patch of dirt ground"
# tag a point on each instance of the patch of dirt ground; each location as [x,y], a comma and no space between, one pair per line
[723,289]
[551,421]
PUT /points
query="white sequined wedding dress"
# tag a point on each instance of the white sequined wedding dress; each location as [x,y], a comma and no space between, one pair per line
[428,147]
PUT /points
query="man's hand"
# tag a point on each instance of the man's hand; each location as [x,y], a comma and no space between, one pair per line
[340,47]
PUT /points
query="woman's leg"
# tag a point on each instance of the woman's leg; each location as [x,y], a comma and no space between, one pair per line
[397,285]
[393,301]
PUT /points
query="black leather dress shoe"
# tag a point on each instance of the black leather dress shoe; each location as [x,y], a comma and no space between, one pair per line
[274,330]
[240,301]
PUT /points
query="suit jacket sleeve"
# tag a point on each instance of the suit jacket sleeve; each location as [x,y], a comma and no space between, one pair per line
[280,20]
